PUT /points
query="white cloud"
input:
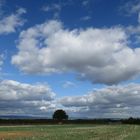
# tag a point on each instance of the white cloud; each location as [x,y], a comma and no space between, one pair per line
[37,99]
[10,23]
[97,55]
[55,8]
[13,90]
[25,107]
[112,101]
[52,7]
[22,98]
[68,84]
[131,7]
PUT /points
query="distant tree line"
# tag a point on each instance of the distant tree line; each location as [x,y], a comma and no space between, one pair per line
[131,121]
[52,121]
[76,121]
[61,117]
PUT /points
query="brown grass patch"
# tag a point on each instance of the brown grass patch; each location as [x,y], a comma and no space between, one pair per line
[15,134]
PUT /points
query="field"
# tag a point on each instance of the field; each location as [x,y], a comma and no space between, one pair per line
[70,132]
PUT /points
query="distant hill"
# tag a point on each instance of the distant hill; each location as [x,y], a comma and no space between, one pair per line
[43,117]
[21,117]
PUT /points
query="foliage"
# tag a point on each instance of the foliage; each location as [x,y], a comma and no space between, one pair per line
[60,115]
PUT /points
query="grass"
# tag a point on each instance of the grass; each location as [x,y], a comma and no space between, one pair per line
[70,132]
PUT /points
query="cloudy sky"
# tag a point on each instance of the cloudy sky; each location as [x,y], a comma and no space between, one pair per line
[82,56]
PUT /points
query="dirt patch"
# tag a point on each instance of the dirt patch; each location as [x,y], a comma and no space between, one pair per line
[15,134]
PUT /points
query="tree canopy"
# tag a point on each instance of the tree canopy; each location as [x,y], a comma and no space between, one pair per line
[60,115]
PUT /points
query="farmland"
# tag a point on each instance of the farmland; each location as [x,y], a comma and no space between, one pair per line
[70,132]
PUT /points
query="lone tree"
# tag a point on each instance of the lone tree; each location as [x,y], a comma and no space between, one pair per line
[60,115]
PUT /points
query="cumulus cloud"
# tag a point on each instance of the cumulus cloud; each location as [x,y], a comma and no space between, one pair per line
[112,101]
[36,108]
[13,90]
[37,99]
[23,98]
[10,23]
[98,55]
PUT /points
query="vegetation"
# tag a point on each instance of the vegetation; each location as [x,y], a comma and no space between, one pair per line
[60,115]
[76,121]
[48,129]
[70,132]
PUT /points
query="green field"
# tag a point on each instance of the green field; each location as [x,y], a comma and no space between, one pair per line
[70,132]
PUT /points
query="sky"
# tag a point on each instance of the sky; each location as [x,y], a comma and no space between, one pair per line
[82,56]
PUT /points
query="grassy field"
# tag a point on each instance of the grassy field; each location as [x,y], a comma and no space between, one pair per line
[70,132]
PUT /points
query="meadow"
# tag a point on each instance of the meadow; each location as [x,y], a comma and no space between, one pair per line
[70,132]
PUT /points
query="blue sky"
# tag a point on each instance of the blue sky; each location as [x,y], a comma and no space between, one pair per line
[78,55]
